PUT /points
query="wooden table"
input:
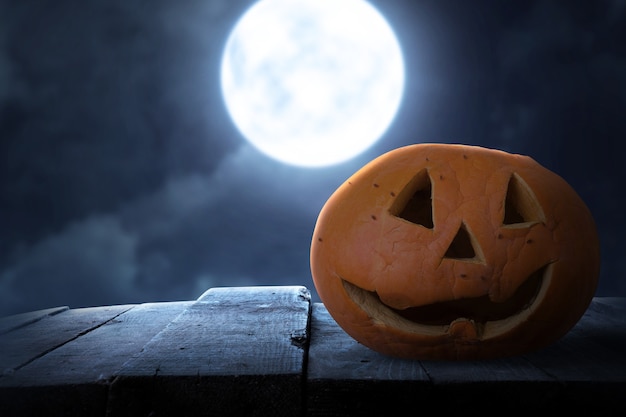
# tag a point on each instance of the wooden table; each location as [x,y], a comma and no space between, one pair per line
[271,351]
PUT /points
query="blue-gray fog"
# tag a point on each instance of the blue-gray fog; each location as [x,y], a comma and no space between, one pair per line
[123,179]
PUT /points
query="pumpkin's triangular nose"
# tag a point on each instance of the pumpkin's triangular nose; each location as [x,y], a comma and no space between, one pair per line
[462,246]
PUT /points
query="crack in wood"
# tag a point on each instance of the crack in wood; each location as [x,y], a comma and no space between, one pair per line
[82,333]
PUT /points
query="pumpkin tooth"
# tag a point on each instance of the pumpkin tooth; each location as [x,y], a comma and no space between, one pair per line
[465,330]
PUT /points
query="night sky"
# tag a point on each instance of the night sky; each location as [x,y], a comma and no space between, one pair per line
[124,180]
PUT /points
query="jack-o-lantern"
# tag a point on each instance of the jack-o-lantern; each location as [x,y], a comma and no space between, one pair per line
[442,251]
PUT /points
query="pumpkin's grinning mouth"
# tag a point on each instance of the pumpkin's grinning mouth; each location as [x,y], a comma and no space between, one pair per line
[478,309]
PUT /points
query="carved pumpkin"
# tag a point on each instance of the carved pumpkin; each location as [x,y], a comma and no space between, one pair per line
[440,251]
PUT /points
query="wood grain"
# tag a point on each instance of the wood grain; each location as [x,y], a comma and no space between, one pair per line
[20,320]
[98,355]
[268,351]
[236,351]
[585,370]
[25,344]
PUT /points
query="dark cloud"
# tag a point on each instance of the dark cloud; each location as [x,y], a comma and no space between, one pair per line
[122,178]
[103,101]
[248,222]
[94,258]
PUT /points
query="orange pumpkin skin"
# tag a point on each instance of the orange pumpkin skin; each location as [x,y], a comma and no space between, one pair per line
[455,252]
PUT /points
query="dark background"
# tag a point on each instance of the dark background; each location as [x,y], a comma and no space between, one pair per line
[123,180]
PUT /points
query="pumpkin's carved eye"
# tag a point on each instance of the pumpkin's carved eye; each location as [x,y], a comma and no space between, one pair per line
[520,205]
[414,202]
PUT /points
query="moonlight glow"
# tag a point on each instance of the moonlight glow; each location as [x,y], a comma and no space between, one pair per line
[312,82]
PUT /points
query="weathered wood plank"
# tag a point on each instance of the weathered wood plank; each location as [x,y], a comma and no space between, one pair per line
[23,345]
[244,350]
[512,369]
[592,351]
[72,380]
[231,331]
[236,351]
[333,354]
[615,303]
[98,355]
[512,383]
[345,378]
[605,324]
[589,361]
[16,321]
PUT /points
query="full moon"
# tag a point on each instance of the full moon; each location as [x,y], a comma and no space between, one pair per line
[312,82]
